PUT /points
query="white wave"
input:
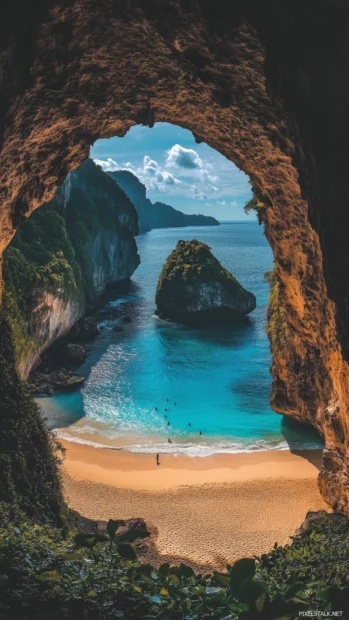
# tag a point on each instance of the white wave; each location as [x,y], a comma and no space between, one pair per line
[192,449]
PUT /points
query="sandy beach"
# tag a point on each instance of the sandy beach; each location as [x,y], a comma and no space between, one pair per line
[207,511]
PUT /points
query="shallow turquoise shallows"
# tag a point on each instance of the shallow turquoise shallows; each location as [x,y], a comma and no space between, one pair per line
[218,376]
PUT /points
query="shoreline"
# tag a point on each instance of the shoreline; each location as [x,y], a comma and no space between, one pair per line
[206,511]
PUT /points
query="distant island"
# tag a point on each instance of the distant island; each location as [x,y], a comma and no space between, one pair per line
[158,214]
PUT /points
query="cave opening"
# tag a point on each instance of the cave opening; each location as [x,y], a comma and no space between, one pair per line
[238,81]
[266,86]
[74,256]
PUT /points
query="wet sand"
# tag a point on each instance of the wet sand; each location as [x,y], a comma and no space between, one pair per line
[207,511]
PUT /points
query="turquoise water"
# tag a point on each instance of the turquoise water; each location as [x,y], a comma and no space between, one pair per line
[218,376]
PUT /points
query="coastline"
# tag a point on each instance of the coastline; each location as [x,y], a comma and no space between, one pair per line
[232,505]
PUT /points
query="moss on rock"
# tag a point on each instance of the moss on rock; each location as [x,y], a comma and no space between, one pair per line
[194,285]
[29,478]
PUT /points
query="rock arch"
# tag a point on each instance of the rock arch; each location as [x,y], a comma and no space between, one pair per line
[265,84]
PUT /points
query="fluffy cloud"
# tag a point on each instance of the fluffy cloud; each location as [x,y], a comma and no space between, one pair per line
[182,173]
[153,176]
[184,158]
[108,165]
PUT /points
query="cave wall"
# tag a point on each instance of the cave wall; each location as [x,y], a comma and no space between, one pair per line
[265,84]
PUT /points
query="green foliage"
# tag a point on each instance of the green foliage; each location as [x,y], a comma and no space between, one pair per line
[51,252]
[277,326]
[50,573]
[257,206]
[193,261]
[29,477]
[40,258]
[318,558]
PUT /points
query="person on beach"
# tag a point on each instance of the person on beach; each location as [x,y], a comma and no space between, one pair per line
[157,459]
[169,440]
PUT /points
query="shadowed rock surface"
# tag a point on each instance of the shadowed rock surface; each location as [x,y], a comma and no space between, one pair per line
[193,286]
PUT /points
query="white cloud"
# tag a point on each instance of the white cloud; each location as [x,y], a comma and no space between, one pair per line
[185,158]
[198,193]
[149,173]
[108,165]
[149,166]
[182,172]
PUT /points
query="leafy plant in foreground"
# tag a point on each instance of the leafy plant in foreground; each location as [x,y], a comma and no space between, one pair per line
[48,573]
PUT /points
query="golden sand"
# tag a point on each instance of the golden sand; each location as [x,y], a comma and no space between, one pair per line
[207,511]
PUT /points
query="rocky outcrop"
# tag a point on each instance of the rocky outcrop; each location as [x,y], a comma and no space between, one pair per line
[263,83]
[158,214]
[59,380]
[63,258]
[193,286]
[52,317]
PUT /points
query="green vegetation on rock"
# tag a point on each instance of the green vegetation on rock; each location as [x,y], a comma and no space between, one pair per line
[193,260]
[193,282]
[51,252]
[50,573]
[277,327]
[257,206]
[29,478]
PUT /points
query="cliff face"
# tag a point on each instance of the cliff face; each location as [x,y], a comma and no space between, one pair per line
[52,317]
[158,214]
[64,256]
[194,286]
[264,83]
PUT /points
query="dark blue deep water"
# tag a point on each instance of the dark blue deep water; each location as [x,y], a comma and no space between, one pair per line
[218,376]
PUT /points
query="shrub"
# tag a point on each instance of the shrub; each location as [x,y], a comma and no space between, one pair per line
[50,573]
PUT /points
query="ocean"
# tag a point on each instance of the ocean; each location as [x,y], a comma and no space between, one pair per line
[218,376]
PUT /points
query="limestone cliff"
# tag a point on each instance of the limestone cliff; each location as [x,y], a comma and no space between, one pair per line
[193,286]
[158,214]
[61,259]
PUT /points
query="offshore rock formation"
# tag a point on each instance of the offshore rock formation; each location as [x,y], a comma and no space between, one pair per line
[63,257]
[157,214]
[194,286]
[264,83]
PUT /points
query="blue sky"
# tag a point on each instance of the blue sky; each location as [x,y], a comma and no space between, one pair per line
[191,177]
